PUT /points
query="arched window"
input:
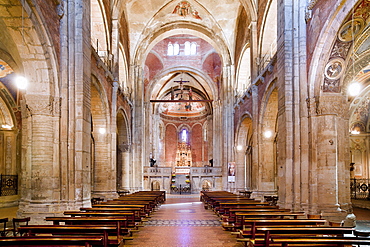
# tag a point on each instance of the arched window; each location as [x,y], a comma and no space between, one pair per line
[176,49]
[193,49]
[184,135]
[170,49]
[187,48]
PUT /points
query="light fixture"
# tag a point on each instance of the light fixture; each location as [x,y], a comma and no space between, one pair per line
[21,82]
[102,130]
[354,89]
[267,134]
[239,147]
[6,126]
[355,132]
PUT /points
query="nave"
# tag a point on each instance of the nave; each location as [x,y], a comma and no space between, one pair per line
[182,221]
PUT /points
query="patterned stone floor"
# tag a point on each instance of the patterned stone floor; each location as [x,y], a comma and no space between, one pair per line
[183,222]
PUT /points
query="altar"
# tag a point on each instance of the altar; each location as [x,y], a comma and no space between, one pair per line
[183,155]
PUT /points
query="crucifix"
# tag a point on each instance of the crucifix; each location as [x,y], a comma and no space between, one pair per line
[181,82]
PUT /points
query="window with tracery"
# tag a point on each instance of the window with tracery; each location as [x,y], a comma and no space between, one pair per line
[184,136]
[187,48]
[176,49]
[193,49]
[170,49]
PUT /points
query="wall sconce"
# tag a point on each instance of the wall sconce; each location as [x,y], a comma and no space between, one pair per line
[267,134]
[239,147]
[6,127]
[102,131]
[355,132]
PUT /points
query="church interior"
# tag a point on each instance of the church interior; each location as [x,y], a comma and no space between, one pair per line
[102,98]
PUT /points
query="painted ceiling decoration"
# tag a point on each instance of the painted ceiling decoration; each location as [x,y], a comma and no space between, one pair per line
[188,109]
[184,9]
[6,121]
[347,34]
[5,69]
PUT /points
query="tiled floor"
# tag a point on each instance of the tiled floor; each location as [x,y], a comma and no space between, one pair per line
[183,222]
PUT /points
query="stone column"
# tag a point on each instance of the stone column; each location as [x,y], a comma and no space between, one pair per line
[40,177]
[255,140]
[253,49]
[217,141]
[228,123]
[329,172]
[292,139]
[138,125]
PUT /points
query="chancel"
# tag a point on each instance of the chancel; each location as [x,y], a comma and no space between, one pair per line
[262,103]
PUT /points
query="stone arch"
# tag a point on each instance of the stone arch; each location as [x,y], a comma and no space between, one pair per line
[243,156]
[153,58]
[156,185]
[170,144]
[123,151]
[197,74]
[104,176]
[250,6]
[9,138]
[28,46]
[267,139]
[268,35]
[123,70]
[325,41]
[197,146]
[169,29]
[243,80]
[99,35]
[36,41]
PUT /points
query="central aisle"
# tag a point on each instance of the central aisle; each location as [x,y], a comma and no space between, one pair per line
[182,221]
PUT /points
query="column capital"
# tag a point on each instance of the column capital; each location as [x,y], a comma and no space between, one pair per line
[327,105]
[36,104]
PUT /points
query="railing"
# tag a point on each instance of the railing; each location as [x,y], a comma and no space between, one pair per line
[360,189]
[8,185]
[186,189]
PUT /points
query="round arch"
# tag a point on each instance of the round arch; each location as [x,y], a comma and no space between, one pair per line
[181,27]
[243,152]
[104,175]
[324,44]
[267,133]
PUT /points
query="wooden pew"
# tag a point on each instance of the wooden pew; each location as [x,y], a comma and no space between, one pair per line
[128,215]
[249,226]
[240,216]
[138,213]
[110,234]
[320,241]
[122,223]
[278,232]
[146,201]
[148,207]
[233,211]
[219,207]
[262,236]
[227,208]
[160,194]
[51,241]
